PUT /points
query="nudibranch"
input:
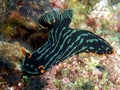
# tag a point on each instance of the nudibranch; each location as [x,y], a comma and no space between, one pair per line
[62,43]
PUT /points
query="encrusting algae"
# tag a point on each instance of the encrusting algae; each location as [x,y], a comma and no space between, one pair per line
[81,71]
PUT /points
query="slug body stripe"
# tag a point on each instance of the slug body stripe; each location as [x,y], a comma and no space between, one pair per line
[62,43]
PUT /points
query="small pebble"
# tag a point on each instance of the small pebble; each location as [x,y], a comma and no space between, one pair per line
[118,51]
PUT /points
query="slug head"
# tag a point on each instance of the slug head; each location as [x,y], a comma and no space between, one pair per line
[30,65]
